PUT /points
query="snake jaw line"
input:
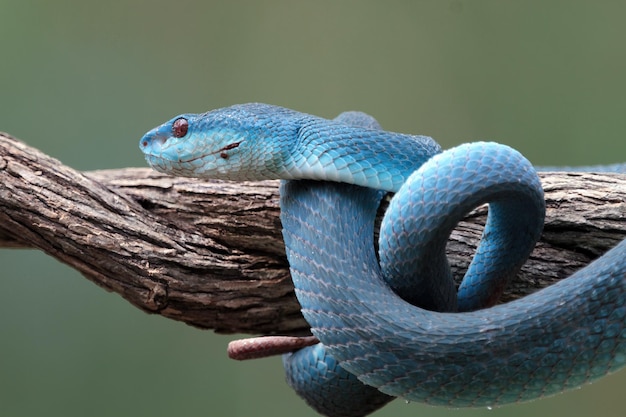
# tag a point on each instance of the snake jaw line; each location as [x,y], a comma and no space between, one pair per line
[233,145]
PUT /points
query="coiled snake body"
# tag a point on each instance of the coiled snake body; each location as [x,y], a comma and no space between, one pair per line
[553,340]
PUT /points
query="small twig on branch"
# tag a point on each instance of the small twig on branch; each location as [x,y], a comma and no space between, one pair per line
[211,254]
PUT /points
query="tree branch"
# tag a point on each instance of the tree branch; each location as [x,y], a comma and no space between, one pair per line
[211,254]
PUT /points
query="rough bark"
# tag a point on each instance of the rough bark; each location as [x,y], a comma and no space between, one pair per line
[210,253]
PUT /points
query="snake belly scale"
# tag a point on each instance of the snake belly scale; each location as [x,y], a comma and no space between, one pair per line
[395,321]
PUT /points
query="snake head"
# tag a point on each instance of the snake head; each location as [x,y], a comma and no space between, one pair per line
[233,143]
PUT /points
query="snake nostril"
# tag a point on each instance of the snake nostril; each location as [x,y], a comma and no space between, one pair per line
[158,141]
[153,141]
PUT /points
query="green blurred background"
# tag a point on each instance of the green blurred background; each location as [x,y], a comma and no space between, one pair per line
[83,80]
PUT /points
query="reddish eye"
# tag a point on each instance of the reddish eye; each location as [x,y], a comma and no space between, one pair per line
[179,127]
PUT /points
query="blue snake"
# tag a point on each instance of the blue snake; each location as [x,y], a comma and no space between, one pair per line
[392,323]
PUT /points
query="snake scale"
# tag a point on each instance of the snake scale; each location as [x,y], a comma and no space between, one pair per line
[392,323]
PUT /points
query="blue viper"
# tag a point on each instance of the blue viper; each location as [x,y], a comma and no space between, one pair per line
[395,321]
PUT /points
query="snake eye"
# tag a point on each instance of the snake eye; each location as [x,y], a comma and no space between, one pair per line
[180,127]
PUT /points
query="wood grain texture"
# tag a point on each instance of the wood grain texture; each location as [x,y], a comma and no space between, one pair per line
[211,254]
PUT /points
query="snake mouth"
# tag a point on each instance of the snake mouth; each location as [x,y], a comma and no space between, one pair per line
[222,152]
[195,158]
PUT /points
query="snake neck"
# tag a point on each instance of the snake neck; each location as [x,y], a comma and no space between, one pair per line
[360,156]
